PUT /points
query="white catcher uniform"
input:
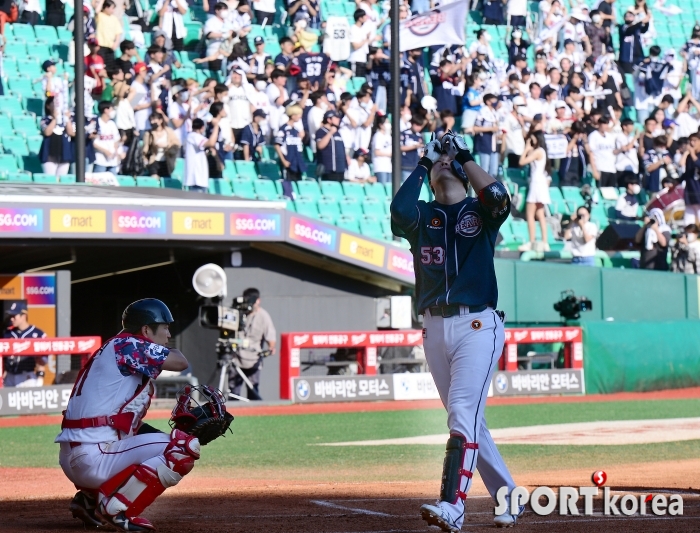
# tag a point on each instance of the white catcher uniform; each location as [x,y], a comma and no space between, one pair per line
[100,450]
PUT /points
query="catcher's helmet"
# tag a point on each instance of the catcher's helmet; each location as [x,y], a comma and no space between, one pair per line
[145,312]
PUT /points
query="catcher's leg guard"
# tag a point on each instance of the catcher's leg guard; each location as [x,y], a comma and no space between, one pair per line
[453,468]
[127,494]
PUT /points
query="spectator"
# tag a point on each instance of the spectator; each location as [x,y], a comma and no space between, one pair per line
[686,251]
[180,113]
[196,164]
[95,68]
[140,97]
[315,115]
[56,152]
[601,145]
[513,127]
[472,102]
[290,147]
[161,147]
[656,162]
[30,12]
[55,86]
[278,96]
[217,30]
[573,166]
[654,238]
[172,22]
[109,32]
[22,371]
[252,139]
[411,144]
[330,149]
[381,149]
[582,234]
[108,143]
[627,206]
[265,12]
[126,119]
[492,11]
[240,108]
[358,169]
[307,11]
[125,61]
[538,191]
[361,35]
[55,13]
[690,163]
[517,13]
[223,147]
[258,60]
[631,50]
[486,132]
[626,148]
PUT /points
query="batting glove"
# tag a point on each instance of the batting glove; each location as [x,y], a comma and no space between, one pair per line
[456,148]
[431,153]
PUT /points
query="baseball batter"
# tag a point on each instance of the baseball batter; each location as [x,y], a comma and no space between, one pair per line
[119,464]
[452,240]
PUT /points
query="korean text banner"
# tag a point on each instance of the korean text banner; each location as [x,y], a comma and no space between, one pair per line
[443,25]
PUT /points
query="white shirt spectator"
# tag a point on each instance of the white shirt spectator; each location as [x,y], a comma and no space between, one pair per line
[515,141]
[143,96]
[215,25]
[626,161]
[172,22]
[687,125]
[266,6]
[179,111]
[239,106]
[602,149]
[625,208]
[381,142]
[57,87]
[314,120]
[107,137]
[517,8]
[357,35]
[579,246]
[126,119]
[356,172]
[277,116]
[196,166]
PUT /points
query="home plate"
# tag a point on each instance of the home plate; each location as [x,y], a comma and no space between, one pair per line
[610,432]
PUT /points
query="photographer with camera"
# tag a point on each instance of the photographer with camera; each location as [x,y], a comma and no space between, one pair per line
[582,234]
[259,331]
[654,237]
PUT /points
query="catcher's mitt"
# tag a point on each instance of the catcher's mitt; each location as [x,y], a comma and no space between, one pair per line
[201,412]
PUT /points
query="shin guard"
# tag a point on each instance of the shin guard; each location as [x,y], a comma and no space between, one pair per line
[453,468]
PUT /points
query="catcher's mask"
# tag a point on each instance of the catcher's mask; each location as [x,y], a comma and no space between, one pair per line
[201,411]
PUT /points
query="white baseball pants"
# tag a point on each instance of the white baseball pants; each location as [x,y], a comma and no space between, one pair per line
[90,465]
[462,353]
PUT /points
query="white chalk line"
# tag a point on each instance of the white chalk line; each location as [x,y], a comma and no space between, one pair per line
[332,505]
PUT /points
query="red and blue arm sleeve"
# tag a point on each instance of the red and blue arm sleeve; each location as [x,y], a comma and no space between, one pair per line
[137,356]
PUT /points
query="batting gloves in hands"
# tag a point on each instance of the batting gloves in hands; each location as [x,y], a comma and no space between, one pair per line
[456,148]
[431,153]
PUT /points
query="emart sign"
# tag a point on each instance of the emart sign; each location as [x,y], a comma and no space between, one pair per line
[566,502]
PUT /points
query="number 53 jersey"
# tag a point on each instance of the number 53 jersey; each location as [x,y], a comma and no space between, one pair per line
[453,248]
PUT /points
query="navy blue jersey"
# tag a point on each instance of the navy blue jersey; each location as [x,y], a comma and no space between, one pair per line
[410,159]
[253,140]
[283,61]
[289,141]
[515,50]
[412,78]
[652,183]
[631,50]
[483,142]
[655,74]
[691,177]
[258,64]
[313,65]
[379,73]
[452,246]
[332,157]
[446,92]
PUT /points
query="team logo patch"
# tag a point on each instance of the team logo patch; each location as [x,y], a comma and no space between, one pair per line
[469,225]
[424,24]
[476,324]
[435,223]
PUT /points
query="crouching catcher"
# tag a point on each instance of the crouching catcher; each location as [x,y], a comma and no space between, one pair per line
[119,464]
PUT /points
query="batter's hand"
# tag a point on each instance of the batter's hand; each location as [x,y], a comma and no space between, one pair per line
[456,148]
[433,150]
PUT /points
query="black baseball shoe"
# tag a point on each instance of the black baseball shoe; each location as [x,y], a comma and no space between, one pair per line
[83,508]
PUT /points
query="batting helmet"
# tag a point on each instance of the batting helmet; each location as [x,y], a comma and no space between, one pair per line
[145,312]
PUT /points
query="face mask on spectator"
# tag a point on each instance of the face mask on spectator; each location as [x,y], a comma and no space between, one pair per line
[595,19]
[487,37]
[324,106]
[184,96]
[260,85]
[227,99]
[517,34]
[636,189]
[691,237]
[112,114]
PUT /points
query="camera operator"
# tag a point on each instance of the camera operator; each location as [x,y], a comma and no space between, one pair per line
[582,234]
[654,237]
[259,331]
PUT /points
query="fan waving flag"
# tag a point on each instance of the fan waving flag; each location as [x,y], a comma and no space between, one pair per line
[443,25]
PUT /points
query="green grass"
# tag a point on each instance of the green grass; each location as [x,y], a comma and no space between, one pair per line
[278,446]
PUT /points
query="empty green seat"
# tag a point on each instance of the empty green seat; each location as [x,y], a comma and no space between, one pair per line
[67,179]
[147,181]
[46,33]
[373,207]
[371,227]
[11,105]
[45,178]
[349,223]
[329,207]
[41,51]
[126,181]
[171,183]
[16,49]
[333,189]
[220,186]
[265,188]
[355,190]
[309,188]
[306,207]
[25,125]
[20,177]
[376,190]
[24,32]
[269,170]
[246,169]
[34,143]
[243,188]
[15,145]
[22,86]
[351,206]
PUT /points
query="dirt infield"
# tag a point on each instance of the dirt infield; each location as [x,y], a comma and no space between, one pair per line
[354,407]
[208,502]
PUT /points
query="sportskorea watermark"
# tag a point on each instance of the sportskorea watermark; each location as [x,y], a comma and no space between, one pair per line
[567,499]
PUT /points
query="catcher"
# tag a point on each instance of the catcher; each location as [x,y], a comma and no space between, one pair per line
[119,464]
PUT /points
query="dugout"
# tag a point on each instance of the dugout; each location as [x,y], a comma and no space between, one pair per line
[113,246]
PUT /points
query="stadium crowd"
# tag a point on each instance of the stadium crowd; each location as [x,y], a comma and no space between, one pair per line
[563,102]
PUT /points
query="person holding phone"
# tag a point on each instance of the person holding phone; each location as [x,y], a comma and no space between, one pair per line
[654,238]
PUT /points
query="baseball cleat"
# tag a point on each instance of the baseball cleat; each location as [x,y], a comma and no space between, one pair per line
[508,520]
[436,516]
[83,506]
[121,522]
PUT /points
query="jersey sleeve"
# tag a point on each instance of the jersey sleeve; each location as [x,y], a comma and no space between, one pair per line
[405,215]
[279,137]
[246,137]
[137,356]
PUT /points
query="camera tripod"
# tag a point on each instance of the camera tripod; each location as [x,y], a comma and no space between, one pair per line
[229,364]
